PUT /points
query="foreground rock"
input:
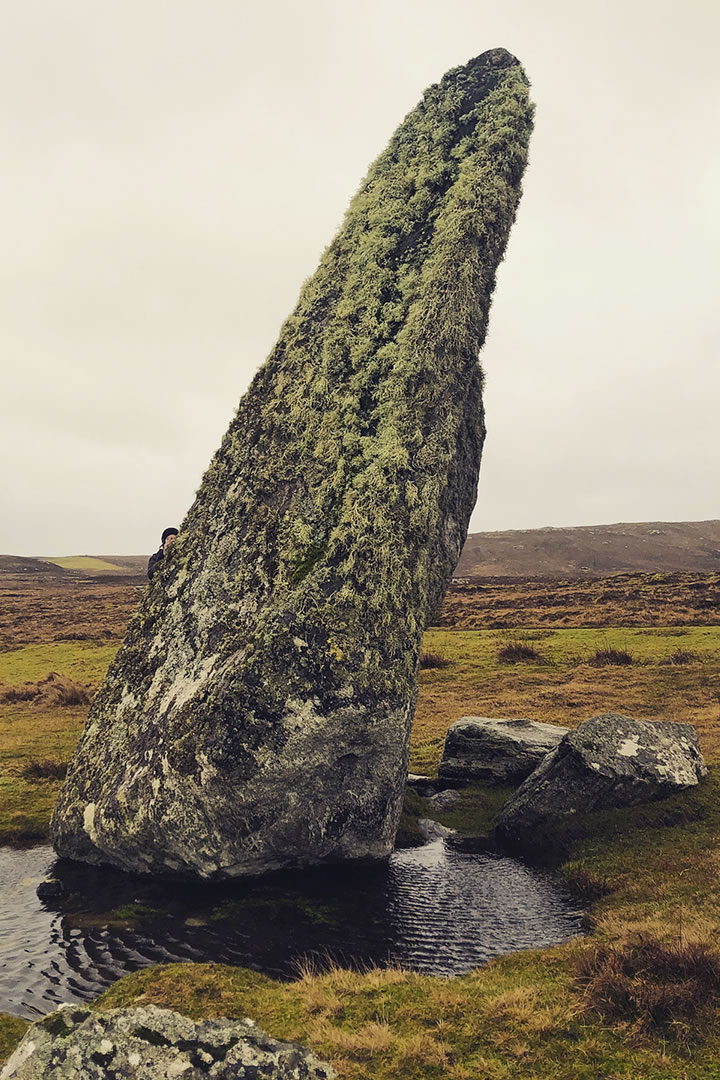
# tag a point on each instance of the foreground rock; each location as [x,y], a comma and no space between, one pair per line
[257,715]
[482,750]
[149,1043]
[609,761]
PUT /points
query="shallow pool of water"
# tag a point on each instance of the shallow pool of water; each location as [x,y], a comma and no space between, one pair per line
[433,909]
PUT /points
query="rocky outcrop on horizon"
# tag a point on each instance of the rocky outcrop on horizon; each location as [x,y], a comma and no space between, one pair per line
[257,715]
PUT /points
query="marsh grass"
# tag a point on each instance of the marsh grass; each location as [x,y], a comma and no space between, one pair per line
[433,660]
[673,989]
[680,656]
[44,770]
[519,652]
[611,658]
[54,689]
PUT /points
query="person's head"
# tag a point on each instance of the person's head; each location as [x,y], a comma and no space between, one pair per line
[169,537]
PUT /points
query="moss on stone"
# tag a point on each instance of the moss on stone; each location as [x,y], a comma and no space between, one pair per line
[274,654]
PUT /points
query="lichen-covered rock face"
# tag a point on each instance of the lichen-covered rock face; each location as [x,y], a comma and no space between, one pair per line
[257,715]
[483,750]
[148,1043]
[609,761]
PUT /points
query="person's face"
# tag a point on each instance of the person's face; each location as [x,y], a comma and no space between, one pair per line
[169,541]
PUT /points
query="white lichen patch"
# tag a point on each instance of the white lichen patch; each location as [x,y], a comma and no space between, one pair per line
[177,1068]
[106,1047]
[629,747]
[89,821]
[185,686]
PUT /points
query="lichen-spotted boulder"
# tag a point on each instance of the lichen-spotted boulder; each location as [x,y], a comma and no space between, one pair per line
[608,762]
[149,1043]
[257,714]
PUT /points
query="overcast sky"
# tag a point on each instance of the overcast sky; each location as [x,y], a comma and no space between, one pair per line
[173,169]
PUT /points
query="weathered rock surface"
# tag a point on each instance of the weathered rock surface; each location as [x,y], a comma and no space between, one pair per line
[479,749]
[609,761]
[444,800]
[257,714]
[432,830]
[148,1043]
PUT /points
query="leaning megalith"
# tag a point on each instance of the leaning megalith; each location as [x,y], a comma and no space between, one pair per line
[257,714]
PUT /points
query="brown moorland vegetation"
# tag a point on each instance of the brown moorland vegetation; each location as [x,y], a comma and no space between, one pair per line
[638,999]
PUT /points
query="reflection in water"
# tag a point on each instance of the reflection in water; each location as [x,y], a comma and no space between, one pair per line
[432,909]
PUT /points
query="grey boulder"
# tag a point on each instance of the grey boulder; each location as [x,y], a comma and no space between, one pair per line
[479,749]
[609,761]
[149,1043]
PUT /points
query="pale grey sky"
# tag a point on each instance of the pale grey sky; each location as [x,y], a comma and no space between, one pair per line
[172,170]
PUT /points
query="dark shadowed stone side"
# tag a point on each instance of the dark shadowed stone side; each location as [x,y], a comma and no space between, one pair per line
[257,715]
[608,762]
[148,1043]
[482,750]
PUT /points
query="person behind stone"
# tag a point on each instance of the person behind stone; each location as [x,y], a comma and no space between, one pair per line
[166,542]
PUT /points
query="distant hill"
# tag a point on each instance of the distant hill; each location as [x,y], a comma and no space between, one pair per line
[76,566]
[23,564]
[593,550]
[586,551]
[89,564]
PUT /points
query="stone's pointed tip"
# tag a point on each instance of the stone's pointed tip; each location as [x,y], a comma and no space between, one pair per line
[498,57]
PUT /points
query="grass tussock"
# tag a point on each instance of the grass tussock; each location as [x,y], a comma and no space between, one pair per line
[657,987]
[53,690]
[519,652]
[611,658]
[433,660]
[585,886]
[44,770]
[681,656]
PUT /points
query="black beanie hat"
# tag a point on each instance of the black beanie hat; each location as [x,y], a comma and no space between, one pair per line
[166,533]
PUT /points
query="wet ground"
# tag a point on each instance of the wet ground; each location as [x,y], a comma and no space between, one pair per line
[432,909]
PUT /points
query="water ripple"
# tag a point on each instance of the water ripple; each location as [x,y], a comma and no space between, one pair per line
[432,909]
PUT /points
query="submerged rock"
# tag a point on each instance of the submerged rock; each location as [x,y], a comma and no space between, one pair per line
[483,750]
[609,761]
[257,714]
[148,1043]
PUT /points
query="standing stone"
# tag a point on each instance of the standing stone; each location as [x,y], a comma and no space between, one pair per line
[609,761]
[258,712]
[482,750]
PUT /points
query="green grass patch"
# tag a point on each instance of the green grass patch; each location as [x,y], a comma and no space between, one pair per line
[12,1029]
[81,661]
[138,913]
[475,651]
[29,737]
[473,814]
[88,563]
[32,734]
